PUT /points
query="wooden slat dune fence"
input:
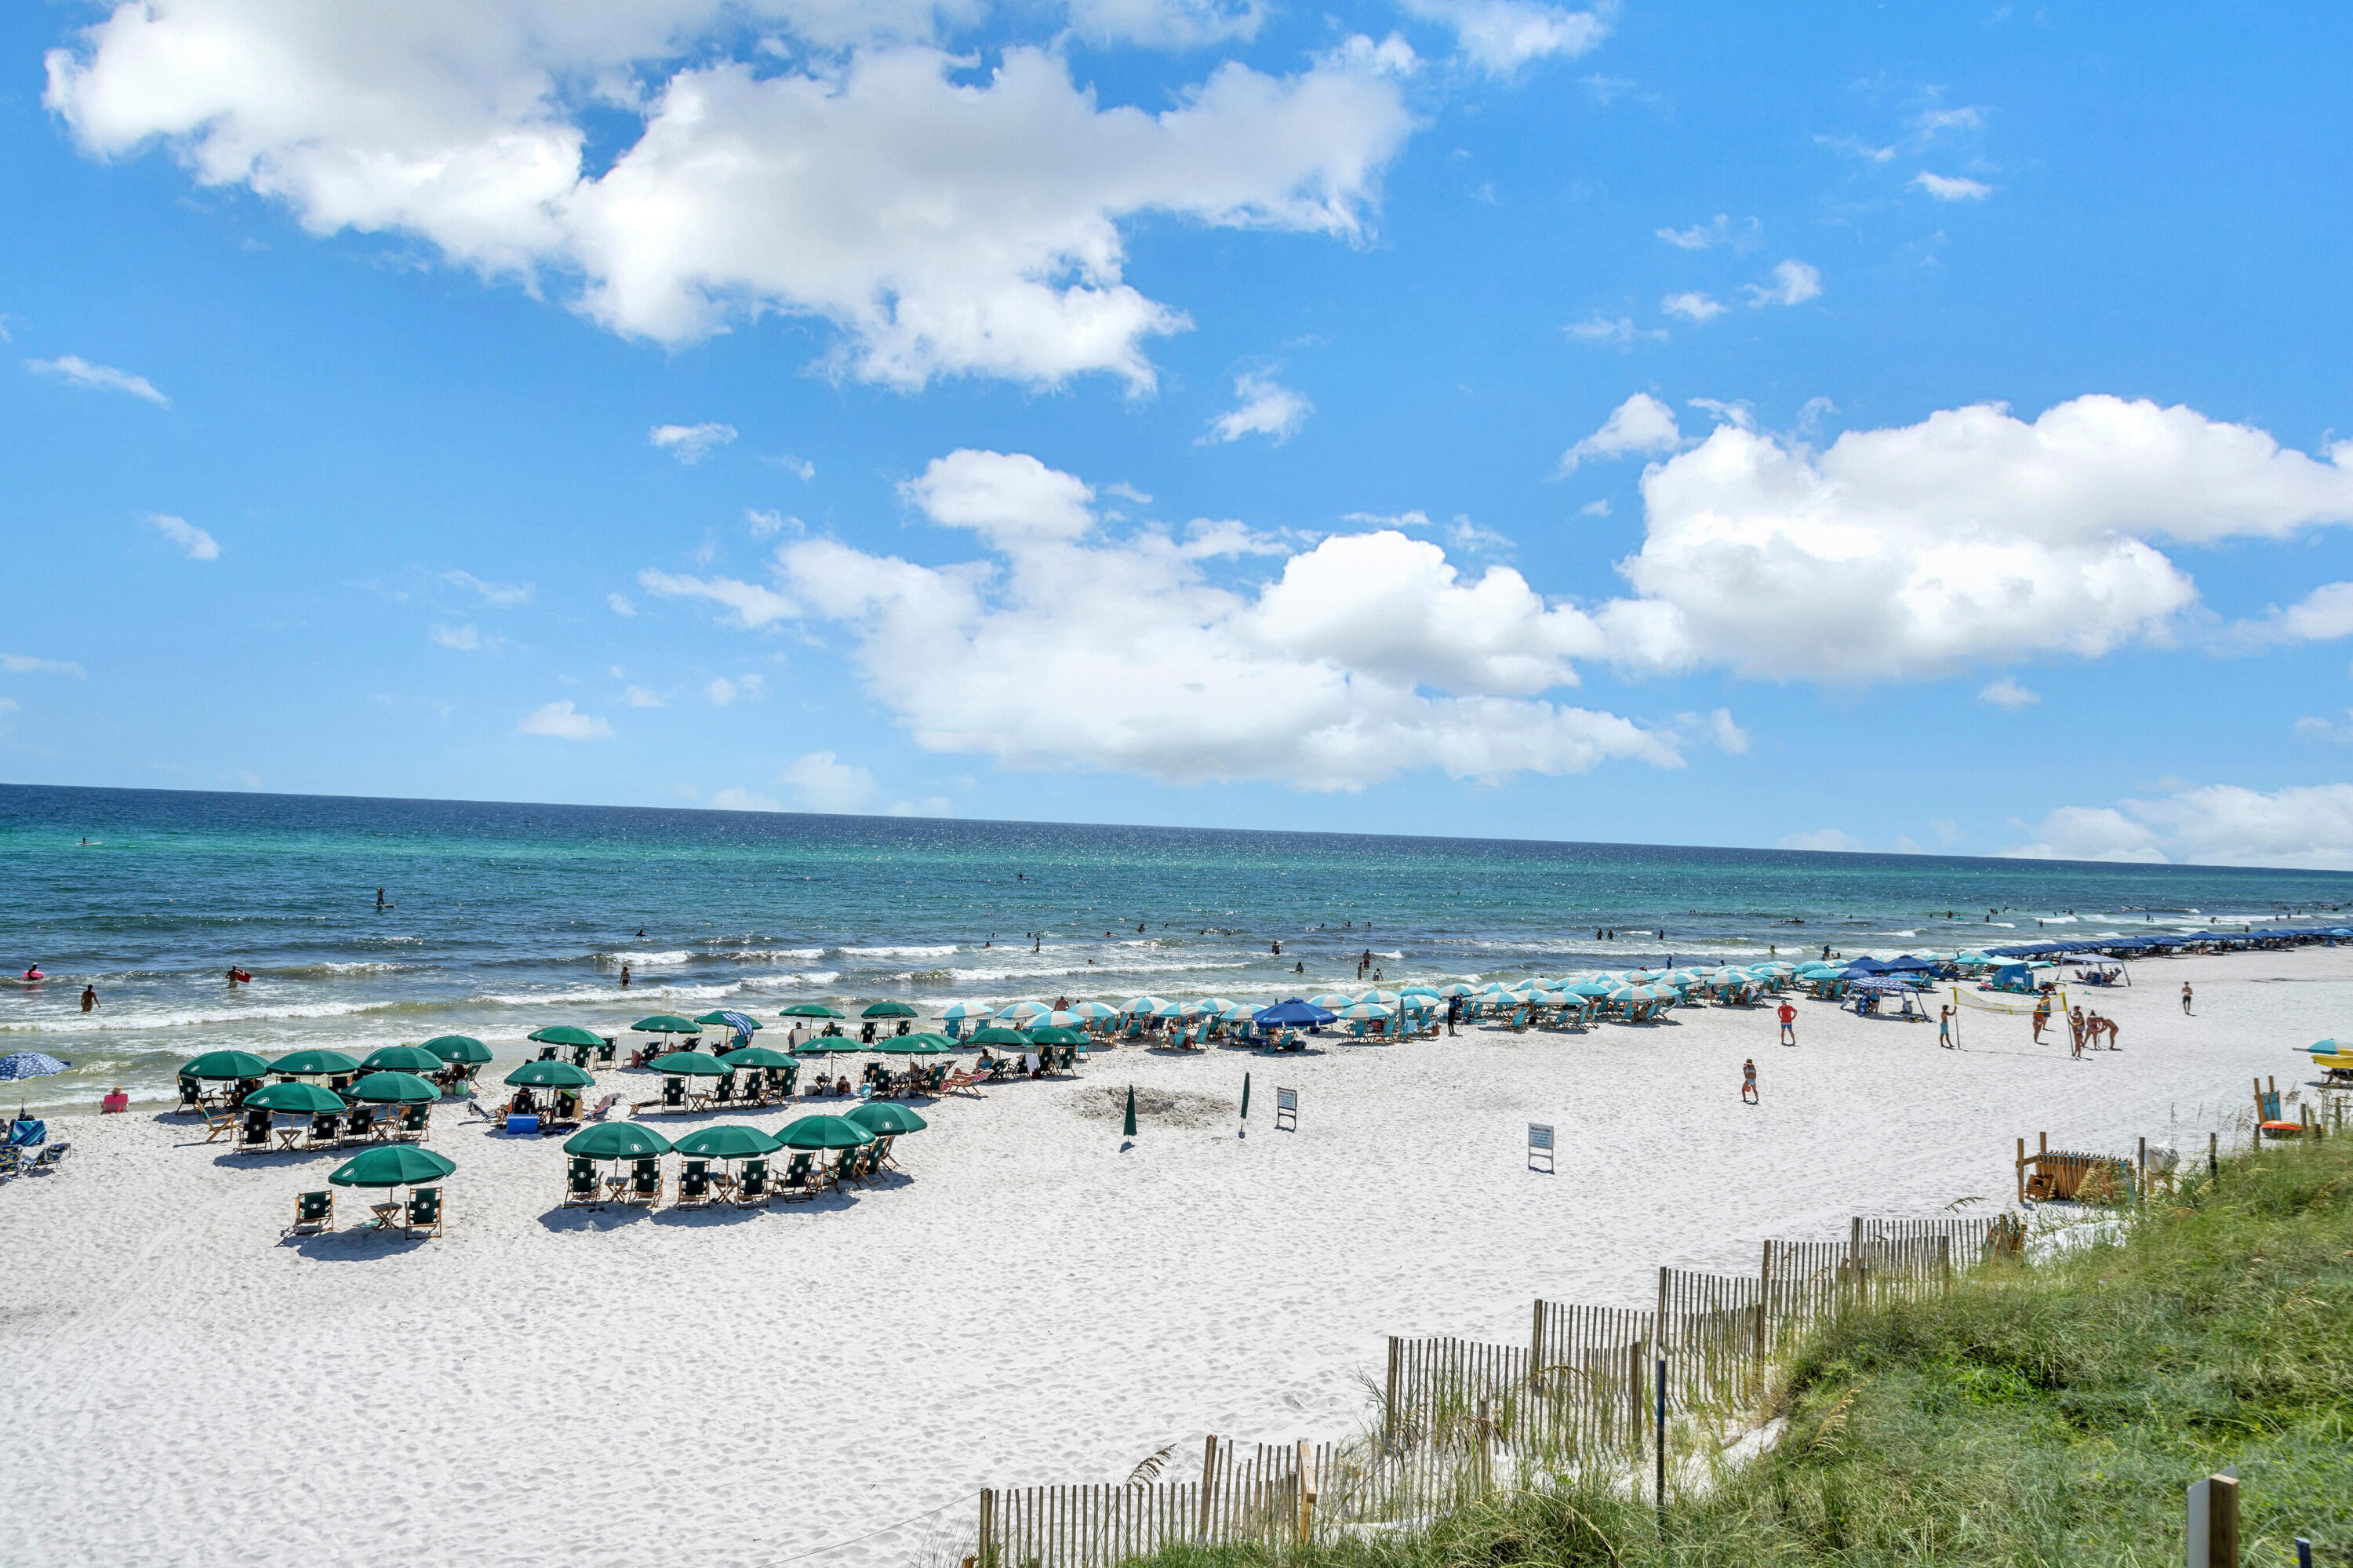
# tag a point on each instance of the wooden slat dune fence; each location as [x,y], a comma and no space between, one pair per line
[1456,1413]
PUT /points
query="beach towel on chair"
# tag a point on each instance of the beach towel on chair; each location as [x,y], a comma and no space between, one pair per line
[27,1133]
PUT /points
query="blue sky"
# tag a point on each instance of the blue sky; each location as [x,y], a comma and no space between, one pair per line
[1868,427]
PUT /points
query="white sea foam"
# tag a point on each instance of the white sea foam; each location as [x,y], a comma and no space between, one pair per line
[1102,971]
[770,955]
[669,959]
[896,952]
[123,1021]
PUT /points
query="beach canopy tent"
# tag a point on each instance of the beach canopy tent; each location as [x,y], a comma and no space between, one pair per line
[224,1064]
[891,1010]
[998,1034]
[757,1056]
[617,1141]
[808,1010]
[690,1065]
[660,1024]
[881,1117]
[393,1165]
[402,1059]
[35,1064]
[297,1100]
[563,1034]
[823,1132]
[728,1019]
[552,1076]
[1293,1010]
[727,1142]
[315,1061]
[460,1048]
[395,1089]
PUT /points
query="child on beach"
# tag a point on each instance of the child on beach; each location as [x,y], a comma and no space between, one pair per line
[1748,1082]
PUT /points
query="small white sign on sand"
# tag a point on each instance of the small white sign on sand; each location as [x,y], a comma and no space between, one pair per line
[1286,1104]
[1539,1143]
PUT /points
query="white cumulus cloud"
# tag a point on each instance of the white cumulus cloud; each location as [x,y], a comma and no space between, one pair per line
[1640,424]
[691,443]
[73,369]
[2308,826]
[1265,408]
[1951,188]
[561,721]
[1973,535]
[823,782]
[1694,307]
[857,173]
[754,605]
[1794,282]
[723,691]
[2007,693]
[1165,23]
[1823,840]
[489,595]
[26,664]
[193,541]
[1499,37]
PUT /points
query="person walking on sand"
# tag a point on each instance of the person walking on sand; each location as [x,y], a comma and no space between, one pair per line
[1453,1011]
[1788,1017]
[2076,1030]
[1945,1027]
[2041,1017]
[88,998]
[2185,999]
[1748,1082]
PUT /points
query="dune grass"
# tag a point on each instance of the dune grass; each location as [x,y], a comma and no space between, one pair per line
[2046,1414]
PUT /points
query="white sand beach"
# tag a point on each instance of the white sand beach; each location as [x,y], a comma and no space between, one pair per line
[1028,1303]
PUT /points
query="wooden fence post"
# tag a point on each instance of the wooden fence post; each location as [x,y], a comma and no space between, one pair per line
[2021,1170]
[2214,1522]
[988,1550]
[1209,1483]
[1389,1403]
[1306,1495]
[1536,1348]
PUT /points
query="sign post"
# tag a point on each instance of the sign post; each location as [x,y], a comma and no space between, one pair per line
[1539,1144]
[1286,1104]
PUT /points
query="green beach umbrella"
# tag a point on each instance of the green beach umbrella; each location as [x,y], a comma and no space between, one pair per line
[395,1089]
[297,1100]
[823,1132]
[757,1056]
[393,1165]
[880,1117]
[225,1065]
[830,1045]
[667,1024]
[1127,1128]
[313,1063]
[617,1141]
[726,1143]
[720,1021]
[808,1010]
[552,1076]
[462,1048]
[998,1034]
[1052,1036]
[402,1059]
[1246,1096]
[564,1034]
[889,1010]
[913,1045]
[691,1064]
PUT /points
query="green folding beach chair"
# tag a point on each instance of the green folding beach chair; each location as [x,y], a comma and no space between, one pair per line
[313,1212]
[751,1185]
[694,1184]
[580,1185]
[646,1181]
[424,1211]
[795,1182]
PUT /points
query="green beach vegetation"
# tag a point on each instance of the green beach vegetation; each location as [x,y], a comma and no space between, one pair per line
[2044,1412]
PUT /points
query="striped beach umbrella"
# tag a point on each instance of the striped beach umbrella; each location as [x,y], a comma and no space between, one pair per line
[1144,1005]
[1386,998]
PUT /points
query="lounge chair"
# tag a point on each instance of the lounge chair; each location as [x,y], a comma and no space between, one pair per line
[751,1185]
[845,1168]
[416,1124]
[604,1052]
[326,1131]
[604,1107]
[645,1183]
[582,1055]
[723,1093]
[50,1156]
[673,1093]
[11,1164]
[252,1133]
[694,1184]
[362,1128]
[879,1154]
[581,1187]
[192,1096]
[796,1181]
[424,1211]
[313,1212]
[217,1122]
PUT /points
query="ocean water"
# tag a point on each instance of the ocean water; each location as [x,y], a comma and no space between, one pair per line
[502,919]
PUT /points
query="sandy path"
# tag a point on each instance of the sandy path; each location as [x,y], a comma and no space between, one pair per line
[1029,1303]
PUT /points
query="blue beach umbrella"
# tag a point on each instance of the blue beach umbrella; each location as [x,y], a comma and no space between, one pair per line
[1293,1012]
[29,1064]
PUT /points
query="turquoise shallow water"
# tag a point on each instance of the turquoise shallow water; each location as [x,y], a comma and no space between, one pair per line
[506,917]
